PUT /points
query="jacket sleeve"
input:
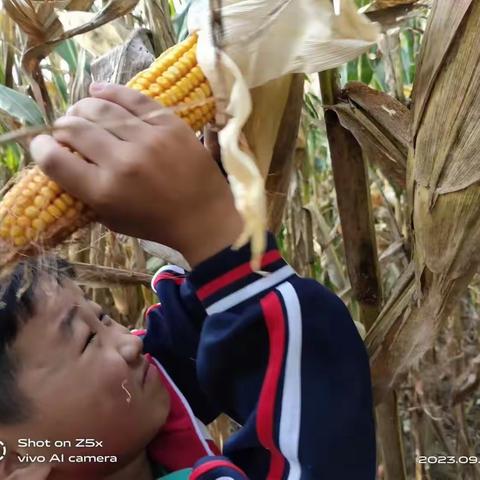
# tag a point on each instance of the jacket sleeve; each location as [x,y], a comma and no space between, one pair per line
[281,355]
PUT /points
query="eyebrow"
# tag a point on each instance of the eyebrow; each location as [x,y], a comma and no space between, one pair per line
[66,325]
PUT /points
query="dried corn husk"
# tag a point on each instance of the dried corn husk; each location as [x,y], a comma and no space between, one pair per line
[381,125]
[444,190]
[263,40]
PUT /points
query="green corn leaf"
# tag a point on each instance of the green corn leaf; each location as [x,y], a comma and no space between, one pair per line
[365,69]
[11,157]
[20,106]
[68,51]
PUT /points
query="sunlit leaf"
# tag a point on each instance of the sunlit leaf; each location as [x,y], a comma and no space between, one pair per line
[180,21]
[11,157]
[365,69]
[20,106]
[68,51]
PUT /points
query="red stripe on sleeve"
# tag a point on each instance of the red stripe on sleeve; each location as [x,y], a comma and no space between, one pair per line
[236,274]
[150,308]
[274,318]
[168,276]
[208,466]
[138,333]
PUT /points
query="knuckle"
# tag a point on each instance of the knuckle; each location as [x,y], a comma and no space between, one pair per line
[64,127]
[99,108]
[101,195]
[130,167]
[50,158]
[91,108]
[154,141]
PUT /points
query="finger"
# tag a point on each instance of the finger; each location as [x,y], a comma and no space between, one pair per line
[135,102]
[70,171]
[88,139]
[112,117]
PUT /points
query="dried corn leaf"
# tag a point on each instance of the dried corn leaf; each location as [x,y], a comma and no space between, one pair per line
[157,14]
[448,19]
[394,16]
[380,124]
[288,146]
[98,41]
[45,30]
[446,221]
[350,175]
[122,63]
[38,23]
[261,129]
[379,4]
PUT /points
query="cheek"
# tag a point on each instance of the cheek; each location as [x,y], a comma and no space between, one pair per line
[113,375]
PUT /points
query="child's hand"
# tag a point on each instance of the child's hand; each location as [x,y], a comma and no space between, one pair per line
[147,177]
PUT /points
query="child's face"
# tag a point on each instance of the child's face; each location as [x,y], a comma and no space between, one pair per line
[84,389]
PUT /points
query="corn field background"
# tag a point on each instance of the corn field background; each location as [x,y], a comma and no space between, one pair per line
[371,191]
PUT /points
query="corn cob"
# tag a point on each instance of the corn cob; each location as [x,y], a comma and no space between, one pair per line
[36,213]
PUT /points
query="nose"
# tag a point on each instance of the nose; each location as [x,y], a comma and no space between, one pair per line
[130,347]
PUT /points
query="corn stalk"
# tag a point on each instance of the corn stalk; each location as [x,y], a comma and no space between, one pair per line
[355,209]
[443,174]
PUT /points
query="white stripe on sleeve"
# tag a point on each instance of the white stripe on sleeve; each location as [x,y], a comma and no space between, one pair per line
[290,414]
[251,290]
[172,268]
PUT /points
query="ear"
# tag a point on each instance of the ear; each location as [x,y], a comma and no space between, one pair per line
[12,469]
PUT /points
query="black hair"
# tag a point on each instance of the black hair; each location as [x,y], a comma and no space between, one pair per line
[17,295]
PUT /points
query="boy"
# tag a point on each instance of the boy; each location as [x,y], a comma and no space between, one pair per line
[280,354]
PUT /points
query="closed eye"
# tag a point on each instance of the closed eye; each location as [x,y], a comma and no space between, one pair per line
[93,334]
[89,339]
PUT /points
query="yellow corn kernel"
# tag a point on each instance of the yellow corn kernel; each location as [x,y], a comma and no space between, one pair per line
[154,88]
[16,231]
[54,211]
[205,86]
[60,204]
[46,217]
[150,76]
[67,199]
[54,187]
[32,212]
[28,192]
[143,81]
[30,233]
[39,224]
[40,201]
[198,73]
[32,186]
[148,93]
[24,221]
[165,100]
[22,200]
[16,210]
[20,241]
[7,221]
[47,192]
[164,83]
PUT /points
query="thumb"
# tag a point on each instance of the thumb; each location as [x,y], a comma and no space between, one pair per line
[72,172]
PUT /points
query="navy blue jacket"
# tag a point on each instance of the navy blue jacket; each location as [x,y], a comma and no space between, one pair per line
[280,355]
